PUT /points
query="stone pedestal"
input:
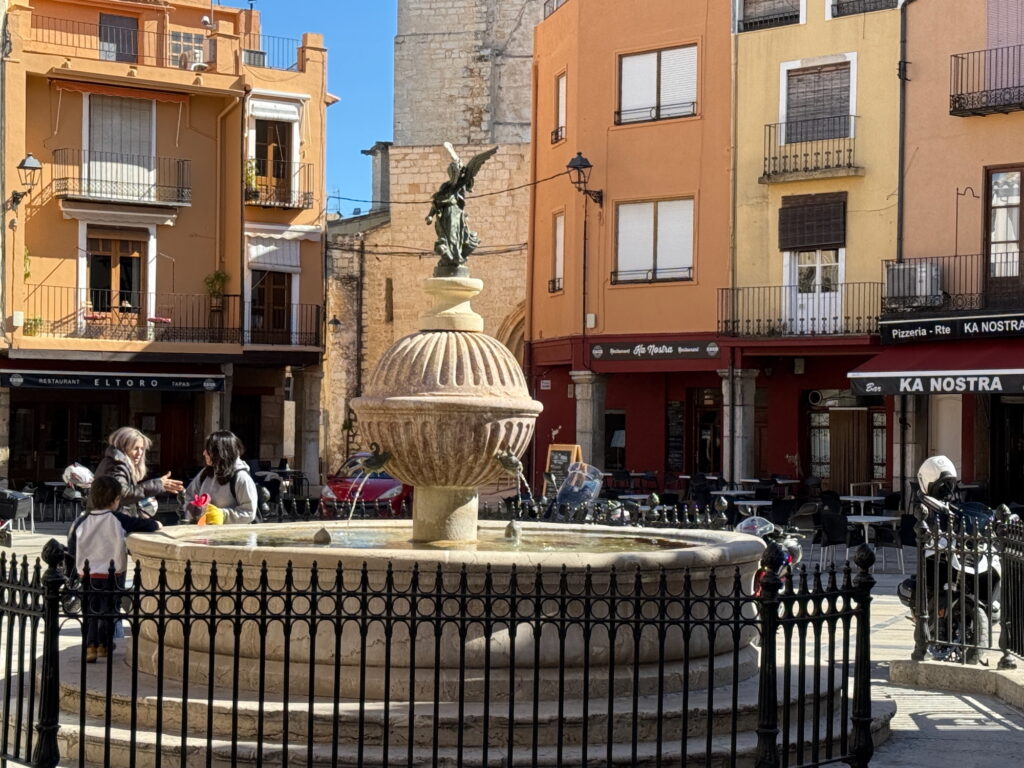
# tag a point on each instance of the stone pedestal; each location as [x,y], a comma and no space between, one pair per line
[738,422]
[590,388]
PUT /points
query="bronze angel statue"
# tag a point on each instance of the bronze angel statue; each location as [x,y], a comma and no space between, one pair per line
[455,241]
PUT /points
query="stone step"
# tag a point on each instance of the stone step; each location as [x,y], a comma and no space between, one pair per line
[142,751]
[249,717]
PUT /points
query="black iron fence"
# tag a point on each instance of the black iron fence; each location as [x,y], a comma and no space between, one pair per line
[279,184]
[851,7]
[87,174]
[952,283]
[986,82]
[769,13]
[809,146]
[361,667]
[284,324]
[793,310]
[971,564]
[656,112]
[184,49]
[268,52]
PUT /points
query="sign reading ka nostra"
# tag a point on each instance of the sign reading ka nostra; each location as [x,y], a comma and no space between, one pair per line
[903,331]
[953,383]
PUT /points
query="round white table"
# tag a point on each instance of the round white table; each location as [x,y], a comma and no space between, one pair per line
[861,500]
[732,494]
[752,505]
[868,520]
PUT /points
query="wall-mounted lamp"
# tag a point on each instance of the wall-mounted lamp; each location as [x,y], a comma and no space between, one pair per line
[28,173]
[335,324]
[579,174]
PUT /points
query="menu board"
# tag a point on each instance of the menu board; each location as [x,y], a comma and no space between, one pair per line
[674,432]
[560,456]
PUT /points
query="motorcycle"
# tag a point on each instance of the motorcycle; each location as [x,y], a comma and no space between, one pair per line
[783,552]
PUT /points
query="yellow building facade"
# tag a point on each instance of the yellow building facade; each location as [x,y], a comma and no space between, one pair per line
[164,247]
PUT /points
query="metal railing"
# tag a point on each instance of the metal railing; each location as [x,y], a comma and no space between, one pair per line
[656,112]
[809,146]
[290,325]
[852,7]
[93,175]
[279,184]
[554,285]
[550,6]
[85,313]
[663,275]
[972,566]
[558,134]
[782,310]
[953,283]
[268,52]
[986,82]
[777,14]
[183,49]
[355,667]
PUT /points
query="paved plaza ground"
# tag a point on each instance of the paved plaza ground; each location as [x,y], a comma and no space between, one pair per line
[931,728]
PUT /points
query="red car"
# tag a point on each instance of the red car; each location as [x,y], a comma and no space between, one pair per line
[378,487]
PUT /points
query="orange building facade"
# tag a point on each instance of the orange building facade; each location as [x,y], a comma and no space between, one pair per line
[164,264]
[622,308]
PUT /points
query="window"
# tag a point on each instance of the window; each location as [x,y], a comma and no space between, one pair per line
[851,7]
[270,319]
[657,85]
[185,49]
[818,103]
[114,274]
[268,178]
[759,14]
[655,241]
[389,300]
[817,271]
[555,284]
[878,445]
[120,155]
[560,93]
[119,38]
[1004,223]
[821,457]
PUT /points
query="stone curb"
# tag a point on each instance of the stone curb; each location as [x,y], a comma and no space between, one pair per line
[1007,685]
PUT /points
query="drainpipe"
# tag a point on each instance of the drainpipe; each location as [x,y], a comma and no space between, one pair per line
[359,316]
[902,74]
[531,273]
[732,254]
[218,257]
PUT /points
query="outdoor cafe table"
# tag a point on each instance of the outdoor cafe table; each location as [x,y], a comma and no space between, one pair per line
[861,500]
[732,494]
[751,505]
[868,520]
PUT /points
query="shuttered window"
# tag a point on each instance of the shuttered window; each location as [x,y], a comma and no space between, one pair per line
[818,103]
[559,248]
[1005,23]
[658,85]
[654,241]
[758,14]
[812,222]
[120,156]
[560,108]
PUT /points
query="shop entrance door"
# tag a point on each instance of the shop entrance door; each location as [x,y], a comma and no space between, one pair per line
[708,438]
[1008,451]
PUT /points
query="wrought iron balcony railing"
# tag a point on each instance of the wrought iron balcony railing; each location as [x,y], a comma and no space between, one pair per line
[112,176]
[776,14]
[791,310]
[987,82]
[554,285]
[279,184]
[853,7]
[180,49]
[558,134]
[270,52]
[937,284]
[800,147]
[664,274]
[656,112]
[296,325]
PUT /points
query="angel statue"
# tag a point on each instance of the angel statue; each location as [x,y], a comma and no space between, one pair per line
[455,241]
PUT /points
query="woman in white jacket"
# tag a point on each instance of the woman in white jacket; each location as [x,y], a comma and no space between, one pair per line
[226,479]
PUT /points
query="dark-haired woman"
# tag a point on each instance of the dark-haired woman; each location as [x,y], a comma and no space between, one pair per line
[226,479]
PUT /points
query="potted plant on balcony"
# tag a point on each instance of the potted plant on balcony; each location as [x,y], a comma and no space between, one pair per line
[252,191]
[215,283]
[33,325]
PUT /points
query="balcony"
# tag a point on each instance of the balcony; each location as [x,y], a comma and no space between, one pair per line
[274,184]
[785,310]
[115,177]
[854,7]
[558,134]
[657,112]
[800,149]
[662,275]
[939,285]
[268,52]
[987,82]
[773,13]
[554,285]
[173,50]
[114,315]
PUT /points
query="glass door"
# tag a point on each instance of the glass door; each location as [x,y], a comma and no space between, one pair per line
[816,300]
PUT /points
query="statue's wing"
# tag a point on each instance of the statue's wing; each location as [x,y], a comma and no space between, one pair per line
[470,171]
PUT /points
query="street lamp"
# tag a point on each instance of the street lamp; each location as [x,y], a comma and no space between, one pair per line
[28,172]
[335,324]
[579,174]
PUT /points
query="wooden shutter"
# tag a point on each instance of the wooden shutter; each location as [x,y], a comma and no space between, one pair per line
[638,89]
[678,89]
[759,9]
[849,448]
[812,221]
[1005,23]
[120,160]
[818,103]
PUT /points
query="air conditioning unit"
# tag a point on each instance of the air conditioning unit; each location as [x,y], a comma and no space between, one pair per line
[192,60]
[913,285]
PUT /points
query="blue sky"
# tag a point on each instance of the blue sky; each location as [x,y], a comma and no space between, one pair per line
[359,35]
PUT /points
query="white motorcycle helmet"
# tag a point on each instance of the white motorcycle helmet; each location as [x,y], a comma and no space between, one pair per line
[937,477]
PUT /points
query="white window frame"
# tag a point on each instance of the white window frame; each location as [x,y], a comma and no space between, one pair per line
[561,105]
[818,61]
[82,267]
[658,84]
[654,278]
[737,13]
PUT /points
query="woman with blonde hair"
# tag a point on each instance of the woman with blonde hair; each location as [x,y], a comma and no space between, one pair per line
[125,461]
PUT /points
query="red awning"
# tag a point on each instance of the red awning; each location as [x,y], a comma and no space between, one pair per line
[993,366]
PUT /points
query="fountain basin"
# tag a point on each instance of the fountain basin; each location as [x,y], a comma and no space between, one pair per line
[436,607]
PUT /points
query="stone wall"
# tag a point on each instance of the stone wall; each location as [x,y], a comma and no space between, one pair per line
[463,71]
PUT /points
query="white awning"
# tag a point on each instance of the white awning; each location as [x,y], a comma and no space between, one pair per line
[276,255]
[283,231]
[274,110]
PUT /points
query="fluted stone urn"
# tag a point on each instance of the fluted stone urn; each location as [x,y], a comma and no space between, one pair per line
[445,402]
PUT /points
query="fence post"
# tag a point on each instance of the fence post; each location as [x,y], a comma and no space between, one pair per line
[1005,530]
[768,694]
[861,745]
[921,630]
[46,753]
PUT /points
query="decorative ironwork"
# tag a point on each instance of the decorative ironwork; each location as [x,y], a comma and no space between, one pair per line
[90,175]
[783,310]
[660,275]
[932,284]
[656,112]
[558,134]
[279,184]
[802,147]
[987,82]
[554,285]
[772,14]
[852,7]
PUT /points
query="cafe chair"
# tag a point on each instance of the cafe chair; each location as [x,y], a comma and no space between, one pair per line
[807,521]
[836,532]
[813,486]
[888,538]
